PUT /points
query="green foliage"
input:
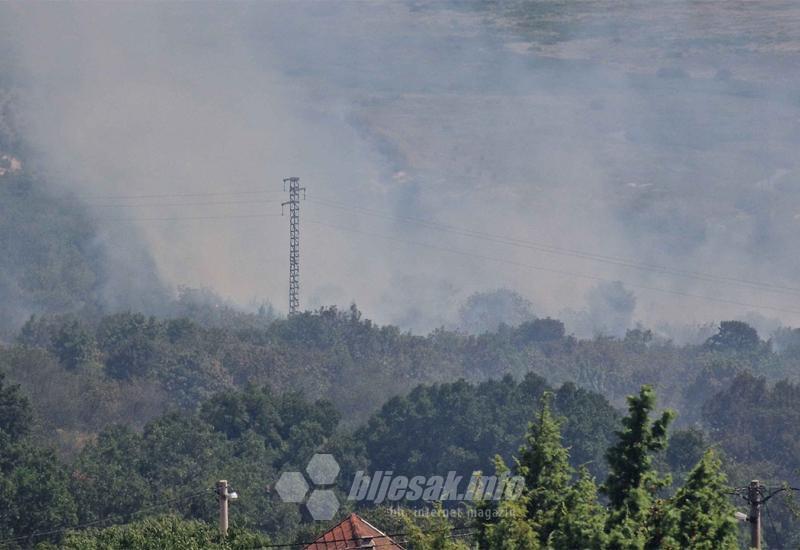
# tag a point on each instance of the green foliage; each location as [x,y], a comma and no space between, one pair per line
[249,436]
[286,423]
[245,436]
[461,426]
[431,531]
[486,311]
[130,344]
[162,533]
[15,412]
[135,366]
[73,406]
[702,513]
[129,369]
[450,426]
[544,463]
[112,465]
[587,423]
[33,484]
[34,493]
[74,345]
[735,337]
[686,448]
[632,481]
[584,520]
[554,511]
[561,512]
[512,530]
[540,330]
[757,423]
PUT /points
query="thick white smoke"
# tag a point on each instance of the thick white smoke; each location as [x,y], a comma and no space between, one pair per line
[627,149]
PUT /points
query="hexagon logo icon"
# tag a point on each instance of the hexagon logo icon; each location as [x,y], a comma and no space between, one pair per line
[322,504]
[322,470]
[292,487]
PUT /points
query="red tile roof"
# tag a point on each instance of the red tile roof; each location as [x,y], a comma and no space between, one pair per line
[353,532]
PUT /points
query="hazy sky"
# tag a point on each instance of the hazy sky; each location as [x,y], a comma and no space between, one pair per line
[444,151]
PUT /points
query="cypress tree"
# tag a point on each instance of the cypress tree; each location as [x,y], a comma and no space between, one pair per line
[632,481]
[582,524]
[544,463]
[703,515]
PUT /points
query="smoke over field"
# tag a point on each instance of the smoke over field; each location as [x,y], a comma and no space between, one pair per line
[610,163]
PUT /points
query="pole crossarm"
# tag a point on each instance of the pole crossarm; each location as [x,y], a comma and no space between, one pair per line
[756,495]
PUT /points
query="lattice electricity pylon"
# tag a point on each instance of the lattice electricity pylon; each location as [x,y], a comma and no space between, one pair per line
[294,240]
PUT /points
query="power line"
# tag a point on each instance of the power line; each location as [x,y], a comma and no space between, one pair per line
[468,233]
[552,249]
[156,204]
[384,536]
[757,495]
[771,522]
[183,218]
[554,270]
[253,191]
[512,241]
[501,239]
[93,523]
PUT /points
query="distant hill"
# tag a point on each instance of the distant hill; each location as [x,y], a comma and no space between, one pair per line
[53,258]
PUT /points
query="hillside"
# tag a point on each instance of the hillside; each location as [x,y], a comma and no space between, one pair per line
[569,227]
[131,402]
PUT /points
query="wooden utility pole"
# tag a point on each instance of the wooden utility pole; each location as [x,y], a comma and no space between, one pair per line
[222,497]
[755,499]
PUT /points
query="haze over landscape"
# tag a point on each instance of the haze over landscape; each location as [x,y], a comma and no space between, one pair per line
[550,243]
[447,149]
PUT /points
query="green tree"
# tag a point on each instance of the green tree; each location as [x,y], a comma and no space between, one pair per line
[162,533]
[552,512]
[507,526]
[540,330]
[736,337]
[588,423]
[73,345]
[632,481]
[562,514]
[686,448]
[703,514]
[544,463]
[33,485]
[130,343]
[15,412]
[111,466]
[511,529]
[432,531]
[34,494]
[757,422]
[582,525]
[486,311]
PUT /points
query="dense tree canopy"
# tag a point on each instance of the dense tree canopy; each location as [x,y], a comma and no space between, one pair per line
[167,404]
[162,533]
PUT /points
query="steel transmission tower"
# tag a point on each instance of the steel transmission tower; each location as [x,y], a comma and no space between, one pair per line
[294,240]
